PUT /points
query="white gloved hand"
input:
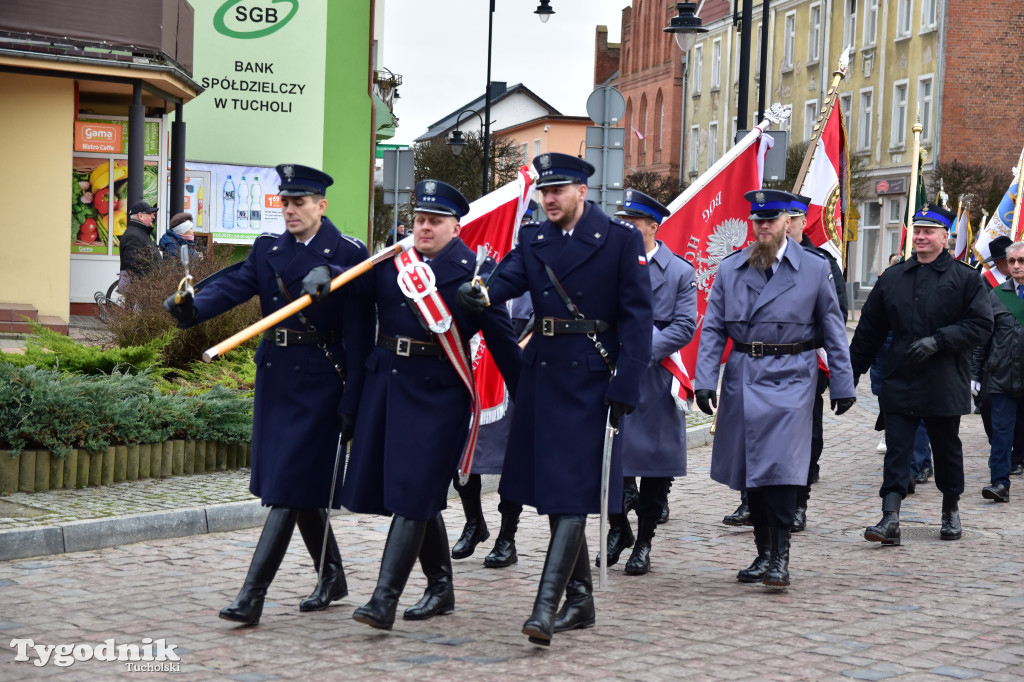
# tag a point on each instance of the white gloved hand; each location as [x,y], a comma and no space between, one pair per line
[975,388]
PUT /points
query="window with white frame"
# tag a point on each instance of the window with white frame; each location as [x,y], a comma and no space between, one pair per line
[904,8]
[849,23]
[846,107]
[866,111]
[698,67]
[810,117]
[536,148]
[899,114]
[712,143]
[716,63]
[789,40]
[895,211]
[929,14]
[694,147]
[924,100]
[814,33]
[524,151]
[870,22]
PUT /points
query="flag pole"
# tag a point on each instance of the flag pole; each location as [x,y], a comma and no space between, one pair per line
[826,110]
[912,194]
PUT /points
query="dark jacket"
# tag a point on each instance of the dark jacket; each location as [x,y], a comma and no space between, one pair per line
[837,273]
[944,299]
[298,391]
[171,243]
[138,252]
[1003,355]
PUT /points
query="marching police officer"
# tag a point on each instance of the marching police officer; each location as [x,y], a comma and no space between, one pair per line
[773,299]
[587,277]
[654,436]
[937,310]
[308,377]
[417,399]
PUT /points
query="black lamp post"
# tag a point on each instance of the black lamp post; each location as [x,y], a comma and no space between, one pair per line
[544,11]
[457,141]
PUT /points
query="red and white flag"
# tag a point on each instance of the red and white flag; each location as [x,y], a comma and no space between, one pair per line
[826,184]
[493,220]
[682,387]
[639,135]
[963,236]
[709,220]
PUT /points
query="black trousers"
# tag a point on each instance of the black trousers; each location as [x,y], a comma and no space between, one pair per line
[652,498]
[817,437]
[985,407]
[947,453]
[473,488]
[773,506]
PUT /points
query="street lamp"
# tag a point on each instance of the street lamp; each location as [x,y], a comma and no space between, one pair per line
[456,140]
[685,23]
[544,11]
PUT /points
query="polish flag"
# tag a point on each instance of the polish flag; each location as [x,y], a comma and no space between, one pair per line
[639,135]
[709,220]
[825,182]
[963,236]
[493,221]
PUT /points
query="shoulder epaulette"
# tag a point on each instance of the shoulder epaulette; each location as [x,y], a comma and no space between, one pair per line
[354,240]
[733,253]
[816,251]
[268,234]
[621,223]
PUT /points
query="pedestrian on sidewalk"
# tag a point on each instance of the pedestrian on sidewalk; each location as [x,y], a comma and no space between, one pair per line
[937,311]
[580,370]
[775,300]
[417,402]
[309,373]
[1003,359]
[654,436]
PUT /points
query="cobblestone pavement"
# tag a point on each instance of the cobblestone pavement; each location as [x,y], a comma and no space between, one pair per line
[925,610]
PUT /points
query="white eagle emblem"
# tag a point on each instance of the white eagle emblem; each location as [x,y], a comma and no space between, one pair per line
[288,171]
[429,187]
[730,235]
[544,161]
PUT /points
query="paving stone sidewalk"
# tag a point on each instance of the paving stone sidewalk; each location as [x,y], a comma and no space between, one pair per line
[926,610]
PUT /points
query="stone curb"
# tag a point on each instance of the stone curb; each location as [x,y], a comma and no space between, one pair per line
[92,534]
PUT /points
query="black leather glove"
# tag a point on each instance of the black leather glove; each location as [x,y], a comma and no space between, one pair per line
[348,427]
[317,283]
[856,380]
[706,399]
[922,349]
[184,312]
[471,297]
[617,412]
[842,405]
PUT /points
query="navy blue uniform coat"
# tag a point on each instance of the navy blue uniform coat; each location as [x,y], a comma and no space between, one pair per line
[298,392]
[553,460]
[654,436]
[414,413]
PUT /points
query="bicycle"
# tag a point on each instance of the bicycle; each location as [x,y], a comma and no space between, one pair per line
[104,301]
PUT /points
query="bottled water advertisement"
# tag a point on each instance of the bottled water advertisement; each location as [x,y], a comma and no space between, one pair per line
[243,201]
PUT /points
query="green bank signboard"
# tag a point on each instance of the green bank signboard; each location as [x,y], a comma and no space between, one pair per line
[262,64]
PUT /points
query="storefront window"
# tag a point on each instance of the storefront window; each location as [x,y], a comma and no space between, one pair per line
[870,258]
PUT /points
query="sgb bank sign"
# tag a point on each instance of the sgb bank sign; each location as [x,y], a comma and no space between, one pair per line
[247,20]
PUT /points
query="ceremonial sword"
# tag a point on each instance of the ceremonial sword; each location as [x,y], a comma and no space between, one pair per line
[606,470]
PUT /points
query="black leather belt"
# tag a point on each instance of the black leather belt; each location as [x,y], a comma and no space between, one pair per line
[290,337]
[549,326]
[404,346]
[759,350]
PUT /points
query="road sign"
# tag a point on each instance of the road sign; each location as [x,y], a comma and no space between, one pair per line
[595,136]
[605,106]
[381,148]
[616,161]
[775,159]
[398,170]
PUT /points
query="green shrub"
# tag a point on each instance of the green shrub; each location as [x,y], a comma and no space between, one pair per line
[46,348]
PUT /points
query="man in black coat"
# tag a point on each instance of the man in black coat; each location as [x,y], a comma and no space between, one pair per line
[937,310]
[138,250]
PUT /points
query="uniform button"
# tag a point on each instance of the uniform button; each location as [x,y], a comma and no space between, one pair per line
[575,364]
[269,365]
[402,304]
[778,326]
[273,298]
[394,371]
[546,293]
[776,382]
[579,293]
[297,368]
[543,364]
[916,299]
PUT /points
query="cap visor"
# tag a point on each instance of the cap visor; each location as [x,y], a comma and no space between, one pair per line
[766,215]
[437,210]
[557,180]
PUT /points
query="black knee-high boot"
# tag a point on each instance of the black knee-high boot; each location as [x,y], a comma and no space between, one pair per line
[400,552]
[620,537]
[270,550]
[331,585]
[578,612]
[563,553]
[475,531]
[436,562]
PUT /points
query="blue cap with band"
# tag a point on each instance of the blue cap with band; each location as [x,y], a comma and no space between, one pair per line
[800,205]
[301,181]
[934,216]
[561,169]
[636,204]
[768,204]
[434,196]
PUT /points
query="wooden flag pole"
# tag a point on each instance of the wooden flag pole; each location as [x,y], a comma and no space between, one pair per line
[211,354]
[912,194]
[826,111]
